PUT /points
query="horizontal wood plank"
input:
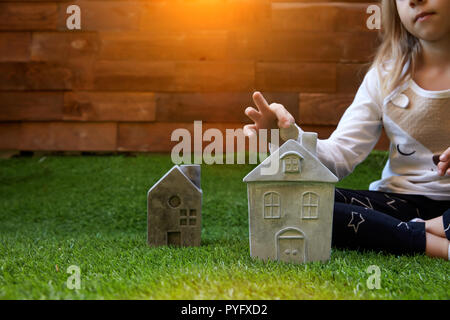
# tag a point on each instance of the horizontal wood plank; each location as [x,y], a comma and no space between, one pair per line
[141,137]
[174,76]
[35,76]
[64,46]
[300,77]
[295,46]
[154,137]
[109,106]
[157,137]
[10,136]
[68,136]
[350,76]
[31,106]
[323,109]
[206,15]
[28,16]
[215,107]
[346,17]
[15,46]
[239,45]
[194,45]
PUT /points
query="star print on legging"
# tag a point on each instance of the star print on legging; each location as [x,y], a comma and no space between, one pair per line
[355,201]
[354,219]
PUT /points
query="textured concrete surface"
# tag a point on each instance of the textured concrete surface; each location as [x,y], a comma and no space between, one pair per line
[174,208]
[291,210]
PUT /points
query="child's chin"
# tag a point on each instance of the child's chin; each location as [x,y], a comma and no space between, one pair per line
[430,33]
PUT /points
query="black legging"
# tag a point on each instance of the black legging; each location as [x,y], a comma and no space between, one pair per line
[374,220]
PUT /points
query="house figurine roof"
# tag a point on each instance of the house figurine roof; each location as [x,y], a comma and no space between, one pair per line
[189,173]
[311,168]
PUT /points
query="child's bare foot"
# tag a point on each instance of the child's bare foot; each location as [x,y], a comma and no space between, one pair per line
[435,226]
[437,247]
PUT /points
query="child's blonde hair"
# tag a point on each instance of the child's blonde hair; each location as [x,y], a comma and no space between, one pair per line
[398,46]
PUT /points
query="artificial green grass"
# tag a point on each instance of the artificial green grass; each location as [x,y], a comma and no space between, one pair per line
[90,211]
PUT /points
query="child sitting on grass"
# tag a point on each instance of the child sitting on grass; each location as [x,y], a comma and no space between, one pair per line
[406,91]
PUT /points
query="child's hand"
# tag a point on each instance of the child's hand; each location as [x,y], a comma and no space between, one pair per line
[267,116]
[444,164]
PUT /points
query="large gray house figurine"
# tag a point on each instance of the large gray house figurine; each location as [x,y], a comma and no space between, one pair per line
[174,205]
[291,208]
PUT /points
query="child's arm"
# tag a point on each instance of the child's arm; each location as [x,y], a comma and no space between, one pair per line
[355,136]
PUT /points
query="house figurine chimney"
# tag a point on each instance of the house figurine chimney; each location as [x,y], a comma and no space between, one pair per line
[309,142]
[192,171]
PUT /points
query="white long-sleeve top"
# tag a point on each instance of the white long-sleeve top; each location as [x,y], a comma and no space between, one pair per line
[417,122]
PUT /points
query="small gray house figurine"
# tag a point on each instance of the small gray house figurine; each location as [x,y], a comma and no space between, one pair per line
[174,205]
[291,209]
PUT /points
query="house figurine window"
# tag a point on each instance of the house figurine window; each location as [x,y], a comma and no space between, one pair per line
[271,205]
[188,217]
[291,162]
[310,205]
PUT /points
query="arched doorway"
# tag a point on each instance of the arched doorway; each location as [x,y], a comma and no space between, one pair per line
[291,245]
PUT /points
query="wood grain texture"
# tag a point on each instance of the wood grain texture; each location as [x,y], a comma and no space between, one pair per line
[28,16]
[15,46]
[138,69]
[10,136]
[64,46]
[77,106]
[35,76]
[109,106]
[179,76]
[31,106]
[350,76]
[71,136]
[300,77]
[304,16]
[323,109]
[215,107]
[206,15]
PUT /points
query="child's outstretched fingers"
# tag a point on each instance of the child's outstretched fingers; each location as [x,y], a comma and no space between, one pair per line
[261,102]
[253,114]
[266,116]
[444,164]
[249,130]
[285,119]
[275,111]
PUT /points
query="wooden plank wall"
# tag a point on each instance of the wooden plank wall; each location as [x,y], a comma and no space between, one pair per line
[138,69]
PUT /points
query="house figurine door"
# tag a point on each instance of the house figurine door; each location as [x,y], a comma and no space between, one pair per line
[173,238]
[291,245]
